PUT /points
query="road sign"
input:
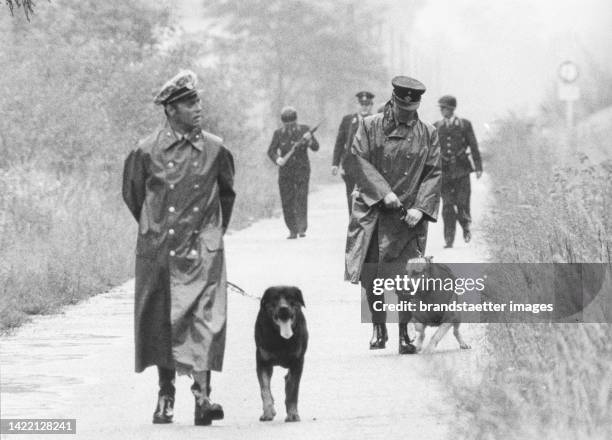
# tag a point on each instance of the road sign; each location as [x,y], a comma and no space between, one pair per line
[568,92]
[568,71]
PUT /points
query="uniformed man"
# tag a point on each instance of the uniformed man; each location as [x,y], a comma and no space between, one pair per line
[289,150]
[457,141]
[395,160]
[344,140]
[178,184]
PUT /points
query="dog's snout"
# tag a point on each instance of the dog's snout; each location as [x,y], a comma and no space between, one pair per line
[284,313]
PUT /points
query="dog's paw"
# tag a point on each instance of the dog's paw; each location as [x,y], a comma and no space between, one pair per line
[268,414]
[465,346]
[292,417]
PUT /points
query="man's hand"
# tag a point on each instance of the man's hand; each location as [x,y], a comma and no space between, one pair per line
[280,161]
[413,216]
[334,170]
[478,174]
[391,201]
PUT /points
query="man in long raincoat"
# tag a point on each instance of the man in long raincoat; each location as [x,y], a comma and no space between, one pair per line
[395,160]
[178,184]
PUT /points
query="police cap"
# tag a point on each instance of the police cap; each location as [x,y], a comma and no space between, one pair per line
[407,92]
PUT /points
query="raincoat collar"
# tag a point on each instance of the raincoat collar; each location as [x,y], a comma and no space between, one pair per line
[393,128]
[168,137]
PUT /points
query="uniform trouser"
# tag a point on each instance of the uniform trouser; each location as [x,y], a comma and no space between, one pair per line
[455,206]
[167,378]
[350,185]
[367,280]
[294,198]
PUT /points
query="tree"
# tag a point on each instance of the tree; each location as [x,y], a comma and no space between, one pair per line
[26,5]
[298,51]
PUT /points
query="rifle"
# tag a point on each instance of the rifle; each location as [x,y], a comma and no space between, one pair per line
[298,144]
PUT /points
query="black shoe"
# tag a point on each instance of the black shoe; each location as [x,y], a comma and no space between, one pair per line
[448,245]
[379,337]
[302,234]
[206,412]
[292,236]
[467,236]
[165,409]
[405,344]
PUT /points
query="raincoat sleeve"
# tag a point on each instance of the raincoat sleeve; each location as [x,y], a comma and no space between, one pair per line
[473,143]
[134,180]
[225,180]
[273,148]
[372,185]
[428,196]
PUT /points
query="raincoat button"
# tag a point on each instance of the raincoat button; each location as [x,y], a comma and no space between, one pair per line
[193,252]
[170,164]
[172,253]
[171,231]
[196,209]
[195,164]
[196,186]
[171,209]
[172,186]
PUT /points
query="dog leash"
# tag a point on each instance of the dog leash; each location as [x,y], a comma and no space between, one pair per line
[239,290]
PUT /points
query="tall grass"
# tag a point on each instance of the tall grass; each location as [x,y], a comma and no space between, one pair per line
[545,381]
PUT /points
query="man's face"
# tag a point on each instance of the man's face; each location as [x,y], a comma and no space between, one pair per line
[187,113]
[447,112]
[365,108]
[403,115]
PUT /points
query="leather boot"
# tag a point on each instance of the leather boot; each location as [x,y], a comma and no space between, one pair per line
[164,410]
[205,410]
[379,336]
[405,344]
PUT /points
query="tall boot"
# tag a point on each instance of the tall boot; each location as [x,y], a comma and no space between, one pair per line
[164,411]
[205,410]
[379,336]
[405,344]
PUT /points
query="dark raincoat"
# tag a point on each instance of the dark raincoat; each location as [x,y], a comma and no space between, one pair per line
[180,192]
[387,156]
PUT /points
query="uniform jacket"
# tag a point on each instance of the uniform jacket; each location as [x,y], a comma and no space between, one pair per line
[181,194]
[387,156]
[282,140]
[344,139]
[457,142]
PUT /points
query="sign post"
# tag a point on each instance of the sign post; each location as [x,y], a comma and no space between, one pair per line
[569,92]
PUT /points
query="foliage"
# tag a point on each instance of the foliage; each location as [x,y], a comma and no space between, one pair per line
[298,51]
[91,70]
[26,5]
[544,380]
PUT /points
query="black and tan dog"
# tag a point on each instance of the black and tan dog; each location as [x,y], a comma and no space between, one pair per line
[444,320]
[281,338]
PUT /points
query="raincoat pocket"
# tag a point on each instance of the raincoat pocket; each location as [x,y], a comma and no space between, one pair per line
[212,239]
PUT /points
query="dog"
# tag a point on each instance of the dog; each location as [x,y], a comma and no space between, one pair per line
[281,338]
[443,320]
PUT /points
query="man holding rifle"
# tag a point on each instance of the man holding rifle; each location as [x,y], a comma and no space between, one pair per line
[289,150]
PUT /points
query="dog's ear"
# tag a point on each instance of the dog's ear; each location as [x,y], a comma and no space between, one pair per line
[267,296]
[297,295]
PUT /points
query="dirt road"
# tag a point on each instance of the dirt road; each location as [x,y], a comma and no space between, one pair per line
[80,364]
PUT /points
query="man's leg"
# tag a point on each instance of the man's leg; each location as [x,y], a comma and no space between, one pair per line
[287,195]
[205,410]
[368,274]
[449,216]
[301,203]
[165,397]
[463,192]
